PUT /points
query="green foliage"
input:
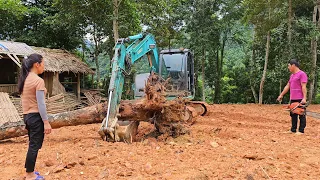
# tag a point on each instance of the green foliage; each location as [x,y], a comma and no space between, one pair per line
[11,16]
[317,99]
[264,14]
[227,36]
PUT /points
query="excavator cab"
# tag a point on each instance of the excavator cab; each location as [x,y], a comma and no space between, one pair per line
[176,64]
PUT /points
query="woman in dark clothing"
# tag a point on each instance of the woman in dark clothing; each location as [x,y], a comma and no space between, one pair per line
[33,91]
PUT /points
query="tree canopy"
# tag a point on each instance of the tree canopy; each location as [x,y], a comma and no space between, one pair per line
[233,41]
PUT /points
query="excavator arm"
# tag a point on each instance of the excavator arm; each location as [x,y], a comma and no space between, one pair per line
[124,57]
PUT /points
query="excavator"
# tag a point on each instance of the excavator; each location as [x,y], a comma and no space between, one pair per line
[142,50]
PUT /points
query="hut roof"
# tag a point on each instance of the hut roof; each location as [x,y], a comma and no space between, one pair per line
[17,48]
[58,60]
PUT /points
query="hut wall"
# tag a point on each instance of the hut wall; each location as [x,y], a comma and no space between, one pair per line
[8,76]
[69,81]
[8,71]
[48,80]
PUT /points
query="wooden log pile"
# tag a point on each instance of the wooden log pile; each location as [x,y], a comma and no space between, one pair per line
[92,97]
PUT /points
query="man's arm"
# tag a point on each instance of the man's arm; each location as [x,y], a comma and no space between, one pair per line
[304,92]
[285,90]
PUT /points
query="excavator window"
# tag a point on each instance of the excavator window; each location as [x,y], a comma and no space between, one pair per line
[175,64]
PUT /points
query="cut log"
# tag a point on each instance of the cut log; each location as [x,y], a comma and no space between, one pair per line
[88,115]
[133,110]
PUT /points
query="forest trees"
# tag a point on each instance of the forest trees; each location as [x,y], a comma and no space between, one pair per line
[241,47]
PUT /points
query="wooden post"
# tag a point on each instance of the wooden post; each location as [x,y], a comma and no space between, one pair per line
[78,86]
[92,80]
[83,79]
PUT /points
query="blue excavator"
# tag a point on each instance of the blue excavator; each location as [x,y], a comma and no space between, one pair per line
[141,50]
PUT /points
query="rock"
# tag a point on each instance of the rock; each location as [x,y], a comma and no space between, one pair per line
[214,144]
[59,168]
[172,143]
[145,142]
[282,156]
[71,164]
[148,167]
[49,163]
[274,140]
[128,165]
[81,162]
[124,174]
[121,174]
[92,157]
[129,173]
[104,174]
[252,157]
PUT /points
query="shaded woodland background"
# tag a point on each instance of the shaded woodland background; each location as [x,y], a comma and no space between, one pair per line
[241,47]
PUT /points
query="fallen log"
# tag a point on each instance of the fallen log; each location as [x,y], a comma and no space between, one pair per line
[88,115]
[169,116]
[130,110]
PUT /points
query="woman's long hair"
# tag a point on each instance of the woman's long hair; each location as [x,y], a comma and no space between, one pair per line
[27,65]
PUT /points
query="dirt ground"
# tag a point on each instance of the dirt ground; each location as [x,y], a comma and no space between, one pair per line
[231,142]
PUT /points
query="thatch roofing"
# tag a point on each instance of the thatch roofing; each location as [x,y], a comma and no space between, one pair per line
[58,60]
[17,48]
[8,112]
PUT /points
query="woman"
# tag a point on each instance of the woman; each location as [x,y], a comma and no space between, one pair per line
[32,90]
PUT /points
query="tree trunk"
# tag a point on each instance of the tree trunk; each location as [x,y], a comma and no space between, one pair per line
[224,40]
[314,54]
[290,28]
[316,85]
[96,54]
[217,97]
[133,110]
[264,69]
[280,88]
[88,115]
[203,75]
[154,107]
[217,80]
[255,96]
[116,4]
[97,70]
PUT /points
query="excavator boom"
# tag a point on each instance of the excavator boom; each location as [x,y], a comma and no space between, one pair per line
[123,58]
[176,63]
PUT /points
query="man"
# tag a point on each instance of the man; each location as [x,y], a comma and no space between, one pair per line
[298,93]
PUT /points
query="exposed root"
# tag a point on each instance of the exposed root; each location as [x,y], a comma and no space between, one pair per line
[170,119]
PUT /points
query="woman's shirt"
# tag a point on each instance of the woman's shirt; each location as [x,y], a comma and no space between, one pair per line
[32,84]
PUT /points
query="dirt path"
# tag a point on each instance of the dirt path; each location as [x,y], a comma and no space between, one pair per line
[232,142]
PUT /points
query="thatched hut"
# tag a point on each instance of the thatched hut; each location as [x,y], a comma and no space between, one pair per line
[63,70]
[11,54]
